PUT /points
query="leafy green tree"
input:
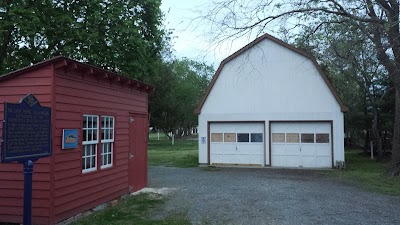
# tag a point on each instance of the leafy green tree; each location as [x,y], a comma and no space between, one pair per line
[350,61]
[179,90]
[120,35]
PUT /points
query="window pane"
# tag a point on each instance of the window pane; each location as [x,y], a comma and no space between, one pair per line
[103,119]
[292,138]
[322,138]
[278,138]
[111,134]
[242,137]
[89,122]
[256,137]
[229,137]
[87,163]
[216,137]
[106,134]
[109,158]
[95,122]
[307,138]
[89,132]
[93,162]
[87,150]
[83,164]
[112,122]
[93,149]
[94,135]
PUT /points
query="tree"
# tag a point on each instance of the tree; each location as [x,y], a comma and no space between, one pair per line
[378,20]
[124,36]
[350,61]
[179,90]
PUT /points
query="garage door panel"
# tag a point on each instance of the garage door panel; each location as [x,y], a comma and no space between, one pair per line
[323,154]
[294,152]
[279,161]
[245,148]
[308,151]
[308,161]
[289,161]
[254,159]
[306,144]
[225,158]
[249,149]
[323,161]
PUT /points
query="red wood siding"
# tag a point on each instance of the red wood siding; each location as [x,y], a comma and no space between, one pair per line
[39,83]
[75,95]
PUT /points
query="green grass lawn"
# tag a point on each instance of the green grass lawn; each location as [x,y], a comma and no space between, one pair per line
[184,153]
[136,210]
[368,174]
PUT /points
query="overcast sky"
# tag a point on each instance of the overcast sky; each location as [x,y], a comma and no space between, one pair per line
[190,40]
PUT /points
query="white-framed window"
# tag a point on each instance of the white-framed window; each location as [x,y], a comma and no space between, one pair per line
[90,139]
[107,141]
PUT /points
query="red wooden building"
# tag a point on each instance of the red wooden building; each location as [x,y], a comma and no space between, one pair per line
[110,113]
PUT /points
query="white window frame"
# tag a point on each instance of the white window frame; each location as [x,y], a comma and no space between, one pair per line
[109,140]
[91,142]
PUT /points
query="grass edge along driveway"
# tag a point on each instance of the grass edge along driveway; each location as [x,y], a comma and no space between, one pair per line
[134,209]
[367,174]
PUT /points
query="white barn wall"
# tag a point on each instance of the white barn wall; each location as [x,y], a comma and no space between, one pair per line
[271,82]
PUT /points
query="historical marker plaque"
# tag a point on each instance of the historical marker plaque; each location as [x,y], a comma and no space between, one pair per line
[26,131]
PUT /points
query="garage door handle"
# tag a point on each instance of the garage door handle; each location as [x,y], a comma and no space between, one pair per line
[300,148]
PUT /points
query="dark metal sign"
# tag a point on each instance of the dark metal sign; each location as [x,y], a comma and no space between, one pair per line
[26,131]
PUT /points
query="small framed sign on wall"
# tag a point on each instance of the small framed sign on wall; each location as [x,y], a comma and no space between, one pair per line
[70,138]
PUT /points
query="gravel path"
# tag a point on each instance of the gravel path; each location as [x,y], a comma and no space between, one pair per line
[269,196]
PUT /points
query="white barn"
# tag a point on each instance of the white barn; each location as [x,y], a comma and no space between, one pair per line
[270,104]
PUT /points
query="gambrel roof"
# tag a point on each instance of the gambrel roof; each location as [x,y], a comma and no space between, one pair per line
[343,107]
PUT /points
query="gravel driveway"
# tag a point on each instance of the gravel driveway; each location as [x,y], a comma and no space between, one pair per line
[269,196]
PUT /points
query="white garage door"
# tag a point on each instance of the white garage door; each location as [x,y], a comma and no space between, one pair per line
[301,144]
[237,143]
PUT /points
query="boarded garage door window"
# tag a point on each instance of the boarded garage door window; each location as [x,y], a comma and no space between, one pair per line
[322,138]
[292,138]
[216,137]
[278,138]
[256,137]
[243,137]
[307,138]
[229,137]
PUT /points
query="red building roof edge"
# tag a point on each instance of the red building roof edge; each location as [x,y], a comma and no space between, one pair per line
[64,62]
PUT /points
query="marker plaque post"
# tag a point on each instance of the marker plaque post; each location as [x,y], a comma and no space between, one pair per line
[26,138]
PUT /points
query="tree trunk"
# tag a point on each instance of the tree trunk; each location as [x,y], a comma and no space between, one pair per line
[395,161]
[366,143]
[367,139]
[377,136]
